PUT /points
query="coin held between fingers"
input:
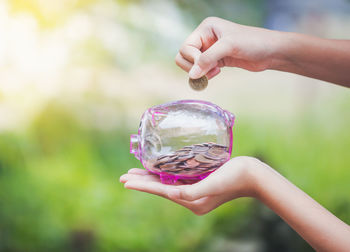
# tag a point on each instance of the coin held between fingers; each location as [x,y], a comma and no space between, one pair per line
[198,84]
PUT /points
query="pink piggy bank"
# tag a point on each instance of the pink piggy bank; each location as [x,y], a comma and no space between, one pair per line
[183,140]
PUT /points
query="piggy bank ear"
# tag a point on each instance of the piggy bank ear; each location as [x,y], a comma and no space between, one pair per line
[157,115]
[134,145]
[230,118]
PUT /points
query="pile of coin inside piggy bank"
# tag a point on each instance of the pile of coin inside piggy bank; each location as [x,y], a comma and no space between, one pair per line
[192,160]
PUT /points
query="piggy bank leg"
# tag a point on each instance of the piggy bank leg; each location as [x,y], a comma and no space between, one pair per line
[203,176]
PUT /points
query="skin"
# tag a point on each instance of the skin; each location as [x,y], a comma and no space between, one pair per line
[217,43]
[249,177]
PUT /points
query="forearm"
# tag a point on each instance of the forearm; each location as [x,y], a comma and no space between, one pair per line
[320,228]
[324,59]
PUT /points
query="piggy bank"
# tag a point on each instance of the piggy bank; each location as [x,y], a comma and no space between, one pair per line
[183,140]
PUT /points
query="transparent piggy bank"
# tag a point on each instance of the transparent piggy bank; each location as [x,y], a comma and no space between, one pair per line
[183,140]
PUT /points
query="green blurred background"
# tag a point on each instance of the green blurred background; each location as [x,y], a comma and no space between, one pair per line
[75,78]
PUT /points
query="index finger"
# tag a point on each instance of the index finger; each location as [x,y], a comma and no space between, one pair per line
[191,48]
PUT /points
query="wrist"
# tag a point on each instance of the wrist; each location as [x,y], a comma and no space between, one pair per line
[281,56]
[264,177]
[260,175]
[251,176]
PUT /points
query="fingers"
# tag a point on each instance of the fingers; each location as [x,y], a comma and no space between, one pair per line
[194,40]
[186,66]
[213,185]
[213,72]
[143,175]
[191,49]
[209,59]
[203,49]
[136,173]
[126,177]
[150,183]
[188,196]
[159,189]
[153,187]
[195,191]
[199,206]
[206,204]
[145,185]
[190,53]
[183,63]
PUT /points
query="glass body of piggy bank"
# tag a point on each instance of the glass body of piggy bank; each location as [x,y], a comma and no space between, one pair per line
[183,140]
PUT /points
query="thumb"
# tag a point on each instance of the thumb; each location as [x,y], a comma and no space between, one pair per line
[209,59]
[195,191]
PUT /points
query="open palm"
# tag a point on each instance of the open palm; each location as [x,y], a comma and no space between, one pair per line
[228,182]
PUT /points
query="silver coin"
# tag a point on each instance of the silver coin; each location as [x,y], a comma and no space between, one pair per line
[168,165]
[192,163]
[202,159]
[202,148]
[183,158]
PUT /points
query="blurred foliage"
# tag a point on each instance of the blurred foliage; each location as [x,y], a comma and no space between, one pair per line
[49,13]
[59,176]
[139,19]
[52,13]
[249,12]
[60,189]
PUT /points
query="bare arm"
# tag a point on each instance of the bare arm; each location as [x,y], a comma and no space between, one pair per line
[216,43]
[320,228]
[323,59]
[248,177]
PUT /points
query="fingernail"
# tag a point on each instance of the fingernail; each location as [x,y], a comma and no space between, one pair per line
[122,178]
[195,72]
[174,193]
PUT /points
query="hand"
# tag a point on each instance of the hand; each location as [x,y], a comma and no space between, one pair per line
[232,180]
[216,43]
[248,177]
